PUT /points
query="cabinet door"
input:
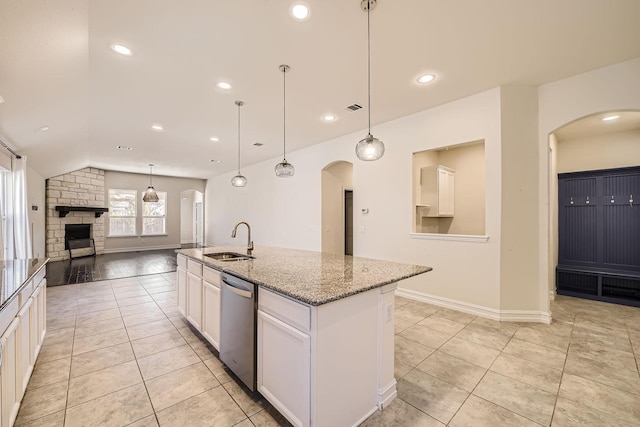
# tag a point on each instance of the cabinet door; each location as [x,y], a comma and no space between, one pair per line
[194,300]
[42,313]
[23,350]
[284,368]
[211,314]
[35,325]
[182,291]
[446,192]
[10,377]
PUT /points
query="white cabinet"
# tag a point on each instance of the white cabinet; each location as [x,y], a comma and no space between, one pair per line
[199,297]
[211,314]
[437,190]
[23,352]
[284,368]
[182,291]
[194,300]
[10,375]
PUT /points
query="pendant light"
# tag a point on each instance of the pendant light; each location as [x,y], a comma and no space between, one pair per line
[239,180]
[284,169]
[150,194]
[369,148]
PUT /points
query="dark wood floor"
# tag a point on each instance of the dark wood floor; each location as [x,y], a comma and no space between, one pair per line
[110,266]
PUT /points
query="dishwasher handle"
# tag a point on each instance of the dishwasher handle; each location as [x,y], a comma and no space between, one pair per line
[238,291]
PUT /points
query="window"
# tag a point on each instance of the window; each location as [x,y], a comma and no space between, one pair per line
[122,212]
[154,215]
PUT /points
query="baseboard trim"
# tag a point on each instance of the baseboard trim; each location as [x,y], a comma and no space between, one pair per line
[141,248]
[386,396]
[477,310]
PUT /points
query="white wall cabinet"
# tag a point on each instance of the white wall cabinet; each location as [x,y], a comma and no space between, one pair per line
[194,300]
[284,368]
[182,284]
[199,297]
[211,313]
[10,375]
[437,190]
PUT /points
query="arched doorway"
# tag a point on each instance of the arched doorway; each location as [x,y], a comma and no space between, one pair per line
[191,219]
[587,144]
[337,208]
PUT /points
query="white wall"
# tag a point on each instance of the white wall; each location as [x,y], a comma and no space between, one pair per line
[36,197]
[173,186]
[612,150]
[287,212]
[611,88]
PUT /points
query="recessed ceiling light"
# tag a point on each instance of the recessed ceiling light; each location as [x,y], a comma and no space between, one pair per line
[224,85]
[426,78]
[43,128]
[214,139]
[124,147]
[329,117]
[258,144]
[157,126]
[609,118]
[122,50]
[300,11]
[1,100]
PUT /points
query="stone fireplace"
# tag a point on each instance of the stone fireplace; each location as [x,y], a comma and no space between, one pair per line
[85,189]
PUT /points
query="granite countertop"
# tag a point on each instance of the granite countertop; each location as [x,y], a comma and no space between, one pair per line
[313,278]
[15,273]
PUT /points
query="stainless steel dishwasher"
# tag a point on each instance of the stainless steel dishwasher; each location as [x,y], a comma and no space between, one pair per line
[238,328]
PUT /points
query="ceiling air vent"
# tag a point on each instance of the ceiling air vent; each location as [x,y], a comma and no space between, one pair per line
[354,107]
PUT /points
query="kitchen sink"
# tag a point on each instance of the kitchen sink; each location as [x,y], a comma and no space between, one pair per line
[228,256]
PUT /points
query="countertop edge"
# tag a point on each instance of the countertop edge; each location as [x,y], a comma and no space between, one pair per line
[293,296]
[15,293]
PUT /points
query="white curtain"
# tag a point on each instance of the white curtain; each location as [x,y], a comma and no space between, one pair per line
[21,224]
[6,210]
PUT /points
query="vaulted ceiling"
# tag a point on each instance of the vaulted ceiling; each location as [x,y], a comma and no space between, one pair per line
[57,70]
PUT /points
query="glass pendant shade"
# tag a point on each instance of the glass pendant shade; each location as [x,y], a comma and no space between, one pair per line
[238,181]
[369,148]
[285,169]
[150,195]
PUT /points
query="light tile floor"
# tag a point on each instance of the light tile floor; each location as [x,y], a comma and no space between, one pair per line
[118,353]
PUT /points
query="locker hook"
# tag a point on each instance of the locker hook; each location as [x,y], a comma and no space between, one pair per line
[587,199]
[571,202]
[612,201]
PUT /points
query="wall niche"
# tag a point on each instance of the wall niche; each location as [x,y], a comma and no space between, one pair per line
[449,190]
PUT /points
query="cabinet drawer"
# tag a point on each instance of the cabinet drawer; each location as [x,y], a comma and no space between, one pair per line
[212,276]
[291,312]
[194,267]
[26,292]
[182,261]
[8,314]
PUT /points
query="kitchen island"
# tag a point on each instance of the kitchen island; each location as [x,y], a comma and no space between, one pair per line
[325,336]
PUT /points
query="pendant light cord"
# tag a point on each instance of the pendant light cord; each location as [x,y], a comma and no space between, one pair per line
[150,175]
[284,114]
[239,105]
[369,60]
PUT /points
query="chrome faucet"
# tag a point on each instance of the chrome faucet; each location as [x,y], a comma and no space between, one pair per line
[249,242]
